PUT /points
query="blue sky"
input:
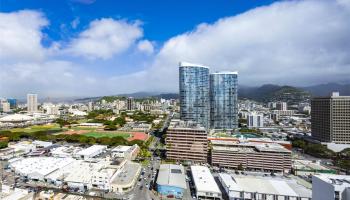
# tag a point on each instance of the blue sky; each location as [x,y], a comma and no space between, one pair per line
[162,19]
[104,47]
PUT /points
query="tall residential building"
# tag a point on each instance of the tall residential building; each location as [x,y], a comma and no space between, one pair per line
[5,107]
[194,93]
[90,106]
[187,141]
[223,100]
[330,119]
[255,120]
[130,103]
[32,103]
[281,105]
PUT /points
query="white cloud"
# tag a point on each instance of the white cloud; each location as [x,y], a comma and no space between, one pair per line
[290,42]
[145,46]
[105,38]
[20,36]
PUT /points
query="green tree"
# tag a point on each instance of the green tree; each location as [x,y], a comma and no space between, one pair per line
[3,144]
[240,167]
[110,127]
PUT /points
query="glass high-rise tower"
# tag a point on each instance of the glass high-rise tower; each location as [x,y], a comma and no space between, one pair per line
[194,93]
[223,100]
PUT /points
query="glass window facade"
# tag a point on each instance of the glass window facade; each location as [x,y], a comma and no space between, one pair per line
[223,100]
[194,94]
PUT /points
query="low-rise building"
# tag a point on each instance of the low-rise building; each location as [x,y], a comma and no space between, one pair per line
[171,181]
[37,168]
[267,188]
[308,167]
[91,151]
[128,152]
[65,151]
[204,182]
[251,155]
[125,179]
[330,187]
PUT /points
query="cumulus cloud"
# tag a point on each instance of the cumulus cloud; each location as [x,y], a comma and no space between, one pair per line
[105,38]
[145,46]
[290,42]
[20,36]
[27,66]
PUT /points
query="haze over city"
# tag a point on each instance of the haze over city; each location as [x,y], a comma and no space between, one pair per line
[92,48]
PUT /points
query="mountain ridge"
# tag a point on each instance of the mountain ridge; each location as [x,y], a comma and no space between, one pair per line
[263,93]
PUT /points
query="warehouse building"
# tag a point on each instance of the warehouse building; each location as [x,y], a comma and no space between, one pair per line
[37,168]
[205,185]
[266,188]
[171,181]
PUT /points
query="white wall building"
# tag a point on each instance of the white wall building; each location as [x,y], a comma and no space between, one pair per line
[128,152]
[205,184]
[51,109]
[330,187]
[91,152]
[281,105]
[255,120]
[5,107]
[37,168]
[32,103]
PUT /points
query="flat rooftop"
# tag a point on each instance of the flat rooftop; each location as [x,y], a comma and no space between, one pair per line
[343,180]
[204,180]
[172,175]
[244,146]
[82,171]
[91,150]
[308,165]
[179,124]
[128,173]
[265,185]
[40,165]
[121,148]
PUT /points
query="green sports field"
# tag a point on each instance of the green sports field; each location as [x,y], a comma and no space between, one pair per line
[110,135]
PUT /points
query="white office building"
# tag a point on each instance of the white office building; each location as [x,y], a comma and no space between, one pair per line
[205,185]
[330,187]
[255,120]
[32,103]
